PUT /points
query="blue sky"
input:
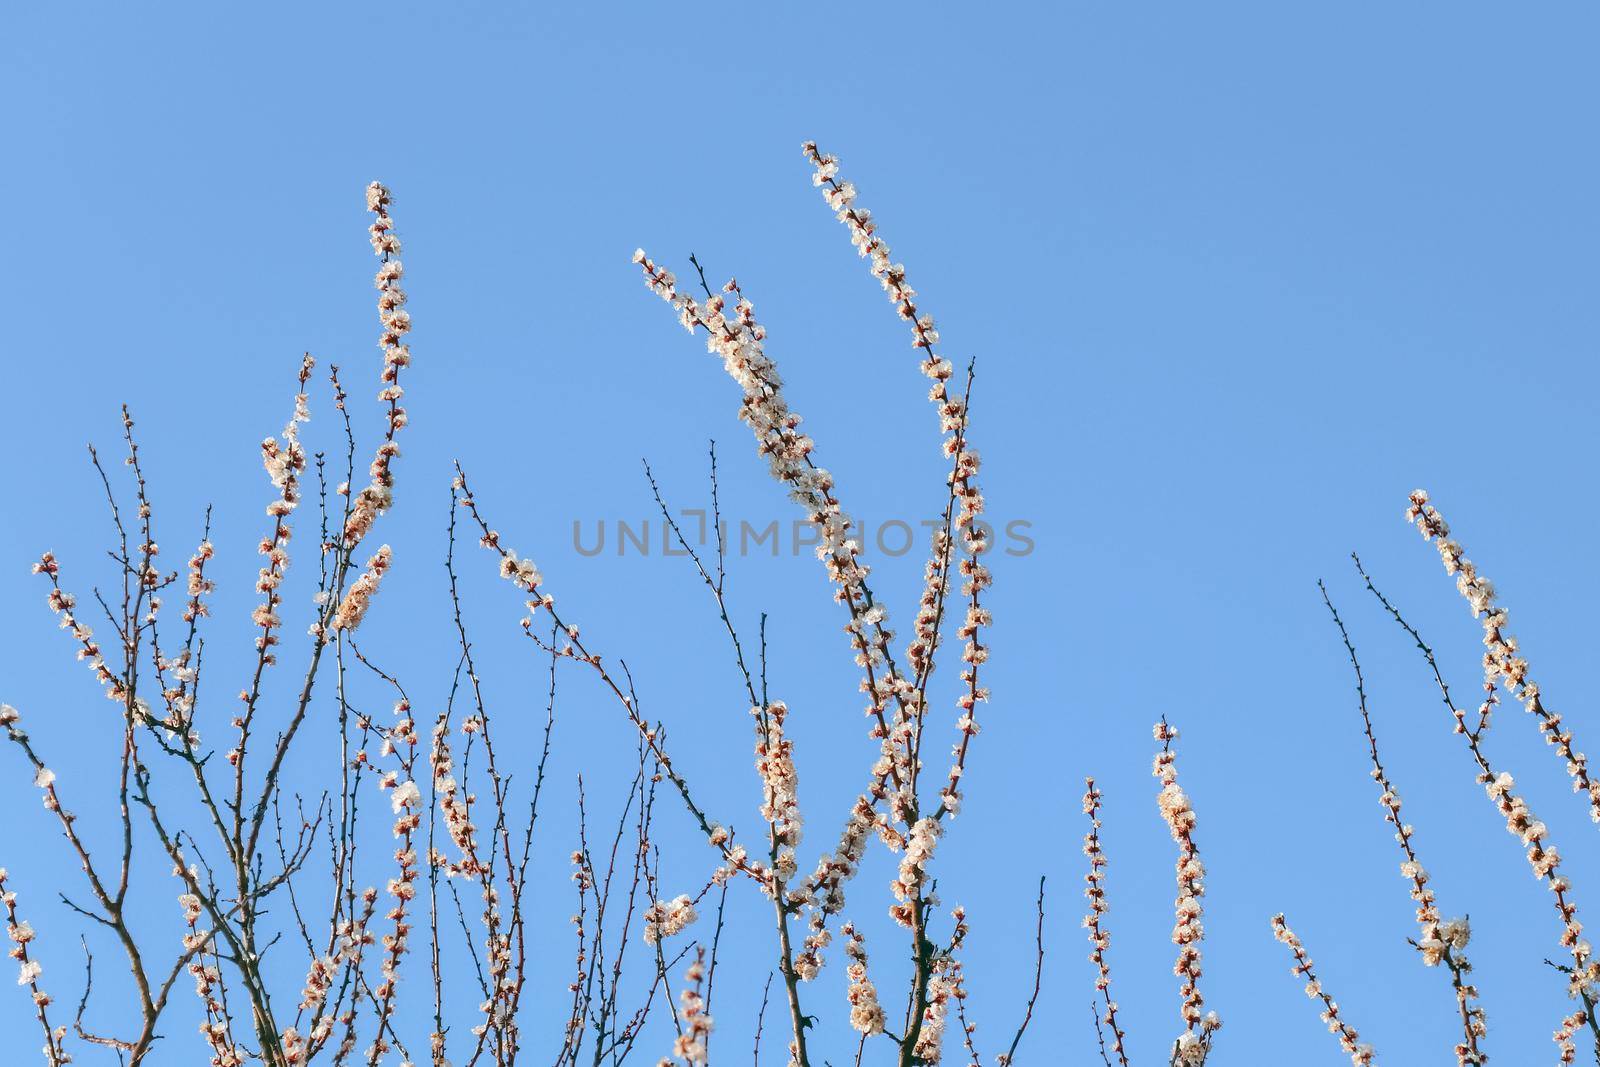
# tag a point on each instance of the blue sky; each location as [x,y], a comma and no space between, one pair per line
[1236,279]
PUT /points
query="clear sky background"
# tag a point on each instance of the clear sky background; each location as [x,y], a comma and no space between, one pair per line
[1237,279]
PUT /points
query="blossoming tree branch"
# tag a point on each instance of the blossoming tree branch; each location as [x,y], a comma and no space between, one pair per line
[295,955]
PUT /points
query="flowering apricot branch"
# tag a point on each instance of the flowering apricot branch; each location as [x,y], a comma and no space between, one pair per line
[1501,661]
[1193,1046]
[1093,922]
[454,831]
[1542,856]
[1361,1055]
[22,935]
[1439,940]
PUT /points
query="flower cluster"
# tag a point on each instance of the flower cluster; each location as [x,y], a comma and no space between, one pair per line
[780,802]
[199,585]
[944,984]
[920,843]
[1567,1048]
[1361,1055]
[353,608]
[866,1015]
[808,961]
[454,804]
[690,1046]
[664,918]
[835,869]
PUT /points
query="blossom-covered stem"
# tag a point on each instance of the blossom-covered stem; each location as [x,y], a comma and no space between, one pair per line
[781,809]
[209,986]
[1099,937]
[63,605]
[1438,941]
[284,464]
[975,579]
[1361,1055]
[1569,1028]
[1500,659]
[348,939]
[840,196]
[690,1046]
[406,800]
[1543,858]
[377,496]
[358,600]
[824,887]
[179,676]
[866,1014]
[1193,1045]
[22,935]
[739,340]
